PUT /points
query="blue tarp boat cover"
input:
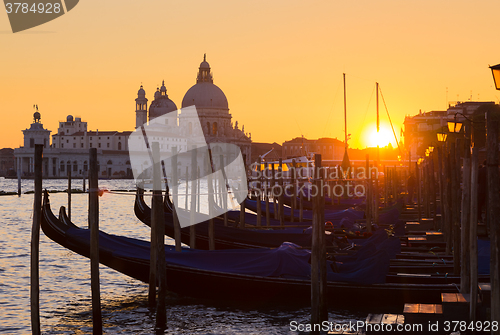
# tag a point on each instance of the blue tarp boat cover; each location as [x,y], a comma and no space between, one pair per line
[368,266]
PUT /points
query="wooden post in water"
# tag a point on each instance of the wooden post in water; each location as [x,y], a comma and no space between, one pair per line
[175,193]
[465,225]
[323,313]
[417,178]
[493,212]
[315,260]
[273,183]
[158,233]
[386,181]
[35,243]
[69,194]
[94,242]
[455,184]
[192,227]
[18,181]
[268,214]
[293,204]
[473,234]
[449,201]
[224,188]
[259,191]
[441,187]
[281,196]
[369,200]
[211,202]
[83,186]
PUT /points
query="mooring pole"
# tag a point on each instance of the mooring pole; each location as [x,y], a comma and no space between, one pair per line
[94,243]
[158,225]
[69,194]
[259,191]
[464,220]
[35,243]
[473,234]
[281,196]
[192,227]
[268,214]
[315,261]
[493,212]
[19,182]
[323,312]
[175,192]
[83,186]
[417,177]
[369,200]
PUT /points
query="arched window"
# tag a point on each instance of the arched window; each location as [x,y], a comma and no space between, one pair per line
[85,166]
[75,166]
[119,145]
[62,166]
[110,162]
[214,128]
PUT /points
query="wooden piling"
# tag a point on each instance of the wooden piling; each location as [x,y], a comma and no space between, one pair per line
[273,183]
[35,243]
[493,211]
[473,234]
[268,214]
[19,182]
[455,184]
[293,204]
[417,178]
[315,262]
[224,189]
[369,199]
[192,227]
[281,195]
[259,191]
[175,192]
[158,233]
[448,202]
[83,186]
[69,194]
[464,221]
[94,242]
[441,188]
[211,203]
[323,313]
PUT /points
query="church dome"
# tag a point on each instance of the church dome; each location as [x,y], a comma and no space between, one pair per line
[161,105]
[204,94]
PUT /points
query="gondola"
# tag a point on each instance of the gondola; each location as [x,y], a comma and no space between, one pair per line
[227,237]
[261,276]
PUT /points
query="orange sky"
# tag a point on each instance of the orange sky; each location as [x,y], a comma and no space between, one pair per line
[279,62]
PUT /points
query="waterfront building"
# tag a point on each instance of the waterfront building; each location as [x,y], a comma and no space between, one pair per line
[70,146]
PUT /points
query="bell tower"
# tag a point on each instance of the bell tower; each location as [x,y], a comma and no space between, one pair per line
[141,108]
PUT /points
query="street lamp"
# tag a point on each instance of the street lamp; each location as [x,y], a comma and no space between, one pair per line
[441,135]
[495,70]
[454,126]
[431,148]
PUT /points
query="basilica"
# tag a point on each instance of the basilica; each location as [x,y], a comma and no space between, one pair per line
[69,148]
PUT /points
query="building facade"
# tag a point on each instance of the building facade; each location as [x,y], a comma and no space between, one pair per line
[69,148]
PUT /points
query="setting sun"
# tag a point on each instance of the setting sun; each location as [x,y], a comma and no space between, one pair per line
[382,138]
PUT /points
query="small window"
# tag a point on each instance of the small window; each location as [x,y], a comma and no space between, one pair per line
[99,145]
[81,145]
[67,141]
[90,145]
[119,145]
[74,145]
[32,142]
[108,145]
[91,138]
[62,145]
[108,137]
[62,166]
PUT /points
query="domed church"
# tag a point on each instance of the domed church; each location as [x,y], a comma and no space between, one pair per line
[211,105]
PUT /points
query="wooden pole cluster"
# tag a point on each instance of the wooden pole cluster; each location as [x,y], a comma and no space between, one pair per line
[94,242]
[493,216]
[35,243]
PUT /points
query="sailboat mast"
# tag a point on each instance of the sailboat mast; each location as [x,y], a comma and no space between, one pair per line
[378,128]
[345,114]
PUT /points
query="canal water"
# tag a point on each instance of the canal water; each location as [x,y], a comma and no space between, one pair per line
[65,278]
